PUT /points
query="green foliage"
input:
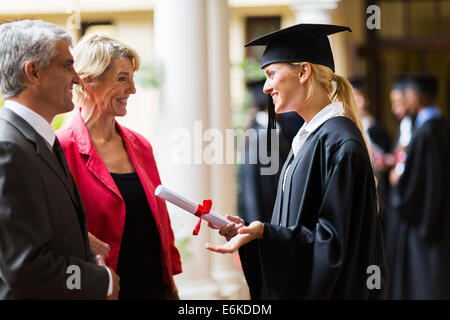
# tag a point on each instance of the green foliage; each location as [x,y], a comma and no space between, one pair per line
[252,70]
[58,121]
[182,246]
[148,75]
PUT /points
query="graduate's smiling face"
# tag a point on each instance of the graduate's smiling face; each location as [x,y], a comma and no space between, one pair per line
[111,92]
[283,85]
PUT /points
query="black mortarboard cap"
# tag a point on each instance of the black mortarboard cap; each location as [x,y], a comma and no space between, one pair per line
[299,43]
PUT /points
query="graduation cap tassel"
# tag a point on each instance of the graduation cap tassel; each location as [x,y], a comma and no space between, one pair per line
[271,124]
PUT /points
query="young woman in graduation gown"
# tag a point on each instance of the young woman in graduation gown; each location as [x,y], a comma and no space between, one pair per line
[324,240]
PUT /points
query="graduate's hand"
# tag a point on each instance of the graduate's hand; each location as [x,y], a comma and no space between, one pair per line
[231,229]
[245,234]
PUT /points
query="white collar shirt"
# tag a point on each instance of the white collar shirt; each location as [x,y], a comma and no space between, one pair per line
[335,109]
[36,121]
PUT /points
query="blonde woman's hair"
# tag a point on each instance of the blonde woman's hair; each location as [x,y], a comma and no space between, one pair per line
[339,89]
[93,55]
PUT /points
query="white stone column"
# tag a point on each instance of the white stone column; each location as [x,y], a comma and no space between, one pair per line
[181,49]
[321,11]
[225,272]
[313,11]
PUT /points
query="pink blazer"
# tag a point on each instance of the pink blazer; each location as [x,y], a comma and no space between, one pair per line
[105,208]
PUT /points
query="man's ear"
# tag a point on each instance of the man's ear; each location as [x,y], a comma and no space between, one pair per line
[304,72]
[31,71]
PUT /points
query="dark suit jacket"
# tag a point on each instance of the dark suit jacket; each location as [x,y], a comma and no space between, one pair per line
[42,222]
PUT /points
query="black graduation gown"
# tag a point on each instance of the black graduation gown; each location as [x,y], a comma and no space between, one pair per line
[421,205]
[390,219]
[324,232]
[290,123]
[379,136]
[257,192]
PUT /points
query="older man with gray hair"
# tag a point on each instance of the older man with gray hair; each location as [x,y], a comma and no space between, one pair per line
[44,249]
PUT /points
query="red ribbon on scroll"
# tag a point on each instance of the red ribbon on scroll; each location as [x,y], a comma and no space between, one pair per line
[201,211]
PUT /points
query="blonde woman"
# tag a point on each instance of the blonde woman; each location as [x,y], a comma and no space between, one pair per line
[116,174]
[324,240]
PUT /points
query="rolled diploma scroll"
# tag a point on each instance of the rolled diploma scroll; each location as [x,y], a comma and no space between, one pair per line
[189,206]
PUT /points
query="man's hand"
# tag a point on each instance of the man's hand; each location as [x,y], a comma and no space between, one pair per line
[244,235]
[115,279]
[99,247]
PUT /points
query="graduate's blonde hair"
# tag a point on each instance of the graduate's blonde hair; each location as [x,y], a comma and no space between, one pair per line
[339,89]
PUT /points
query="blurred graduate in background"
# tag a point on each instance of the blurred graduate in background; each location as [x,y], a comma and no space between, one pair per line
[398,106]
[395,163]
[377,138]
[257,191]
[421,200]
[375,131]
